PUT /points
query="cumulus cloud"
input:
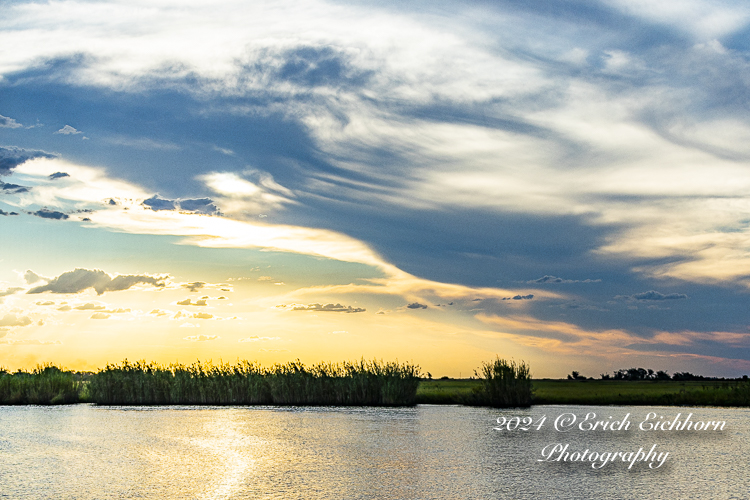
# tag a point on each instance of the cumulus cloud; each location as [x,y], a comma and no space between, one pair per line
[199,206]
[188,302]
[11,157]
[64,308]
[329,308]
[202,315]
[6,122]
[255,338]
[14,320]
[194,286]
[416,305]
[79,280]
[554,279]
[155,203]
[201,338]
[159,312]
[50,214]
[58,175]
[31,277]
[45,303]
[68,130]
[652,295]
[100,315]
[90,306]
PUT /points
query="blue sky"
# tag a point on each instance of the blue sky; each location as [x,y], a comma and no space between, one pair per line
[563,182]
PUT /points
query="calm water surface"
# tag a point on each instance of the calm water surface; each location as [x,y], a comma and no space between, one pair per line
[441,452]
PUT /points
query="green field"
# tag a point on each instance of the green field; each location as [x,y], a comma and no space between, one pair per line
[600,392]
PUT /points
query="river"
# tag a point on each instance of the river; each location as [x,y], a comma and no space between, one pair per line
[424,452]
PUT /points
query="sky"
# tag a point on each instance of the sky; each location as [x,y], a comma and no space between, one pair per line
[561,182]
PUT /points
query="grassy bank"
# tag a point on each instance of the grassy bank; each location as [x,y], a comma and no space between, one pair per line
[600,392]
[45,385]
[363,383]
[348,384]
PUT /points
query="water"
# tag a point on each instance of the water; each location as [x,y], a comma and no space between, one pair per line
[440,452]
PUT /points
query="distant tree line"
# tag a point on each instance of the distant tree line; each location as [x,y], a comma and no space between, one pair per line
[648,374]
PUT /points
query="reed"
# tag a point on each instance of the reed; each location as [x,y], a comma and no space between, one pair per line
[505,384]
[45,385]
[362,383]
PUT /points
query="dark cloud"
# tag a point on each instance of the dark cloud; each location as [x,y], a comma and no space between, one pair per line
[83,279]
[520,297]
[123,282]
[112,202]
[416,305]
[155,203]
[194,286]
[10,158]
[329,308]
[6,122]
[652,295]
[195,205]
[13,188]
[2,212]
[200,205]
[554,279]
[58,175]
[50,214]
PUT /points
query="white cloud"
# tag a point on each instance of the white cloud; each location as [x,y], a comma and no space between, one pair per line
[702,18]
[591,149]
[6,122]
[68,130]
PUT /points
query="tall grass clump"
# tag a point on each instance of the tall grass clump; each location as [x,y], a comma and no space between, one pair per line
[505,384]
[142,383]
[45,385]
[370,383]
